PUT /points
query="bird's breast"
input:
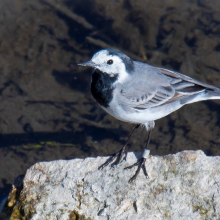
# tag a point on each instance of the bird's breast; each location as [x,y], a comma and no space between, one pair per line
[102,87]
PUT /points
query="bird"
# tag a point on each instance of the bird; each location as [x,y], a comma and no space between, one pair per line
[139,93]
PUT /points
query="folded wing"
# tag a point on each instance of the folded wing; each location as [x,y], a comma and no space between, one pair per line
[145,94]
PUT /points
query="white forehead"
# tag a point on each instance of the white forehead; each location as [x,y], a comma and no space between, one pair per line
[103,56]
[100,54]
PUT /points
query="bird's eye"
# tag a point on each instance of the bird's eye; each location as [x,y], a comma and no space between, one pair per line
[110,62]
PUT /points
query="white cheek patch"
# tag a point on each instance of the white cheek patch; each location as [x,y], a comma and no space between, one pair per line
[117,67]
[121,70]
[122,76]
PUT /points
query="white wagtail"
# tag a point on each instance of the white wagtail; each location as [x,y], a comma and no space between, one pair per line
[138,93]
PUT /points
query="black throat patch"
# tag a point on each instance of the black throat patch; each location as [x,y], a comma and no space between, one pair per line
[101,87]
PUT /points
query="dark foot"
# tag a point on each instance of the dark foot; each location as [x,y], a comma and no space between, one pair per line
[120,154]
[141,164]
[118,157]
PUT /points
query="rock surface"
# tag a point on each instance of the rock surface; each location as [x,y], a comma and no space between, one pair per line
[180,186]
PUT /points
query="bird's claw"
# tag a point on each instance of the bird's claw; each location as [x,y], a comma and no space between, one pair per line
[141,164]
[118,157]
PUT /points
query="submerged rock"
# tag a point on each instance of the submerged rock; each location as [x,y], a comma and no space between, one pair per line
[180,186]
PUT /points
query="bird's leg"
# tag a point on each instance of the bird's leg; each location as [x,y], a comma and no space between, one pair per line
[141,162]
[122,151]
[119,154]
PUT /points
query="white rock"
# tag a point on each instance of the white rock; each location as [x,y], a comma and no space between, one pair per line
[180,186]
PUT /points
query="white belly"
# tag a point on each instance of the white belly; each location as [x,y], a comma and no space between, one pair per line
[142,116]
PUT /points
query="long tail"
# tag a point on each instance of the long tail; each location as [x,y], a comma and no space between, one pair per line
[207,94]
[213,94]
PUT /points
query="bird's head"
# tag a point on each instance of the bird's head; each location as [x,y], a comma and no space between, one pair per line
[112,62]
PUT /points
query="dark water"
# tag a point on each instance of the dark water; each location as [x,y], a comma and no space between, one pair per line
[47,111]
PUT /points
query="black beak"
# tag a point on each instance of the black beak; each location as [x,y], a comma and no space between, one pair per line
[88,63]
